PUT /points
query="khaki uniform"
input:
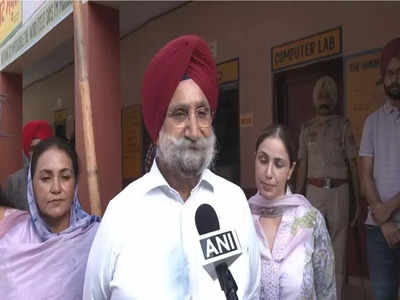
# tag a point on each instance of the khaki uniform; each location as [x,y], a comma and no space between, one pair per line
[328,144]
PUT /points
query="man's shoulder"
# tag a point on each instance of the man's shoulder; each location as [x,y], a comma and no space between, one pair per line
[311,127]
[377,112]
[133,191]
[336,120]
[225,189]
[220,182]
[341,119]
[375,116]
[128,201]
[125,208]
[309,123]
[15,186]
[18,175]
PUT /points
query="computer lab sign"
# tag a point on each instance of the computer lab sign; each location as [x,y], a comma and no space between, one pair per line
[321,45]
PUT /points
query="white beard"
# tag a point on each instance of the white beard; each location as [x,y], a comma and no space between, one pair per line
[190,158]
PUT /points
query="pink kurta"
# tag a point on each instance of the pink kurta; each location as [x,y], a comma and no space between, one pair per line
[301,263]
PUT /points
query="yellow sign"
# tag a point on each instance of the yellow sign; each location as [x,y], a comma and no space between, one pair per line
[60,116]
[228,71]
[320,45]
[131,142]
[363,94]
[10,17]
[246,119]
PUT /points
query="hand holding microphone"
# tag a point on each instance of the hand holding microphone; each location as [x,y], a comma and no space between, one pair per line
[220,248]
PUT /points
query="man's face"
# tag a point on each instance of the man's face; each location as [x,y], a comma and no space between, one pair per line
[392,79]
[324,106]
[186,141]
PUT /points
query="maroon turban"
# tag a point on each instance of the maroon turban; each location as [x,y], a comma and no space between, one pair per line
[392,49]
[35,129]
[187,55]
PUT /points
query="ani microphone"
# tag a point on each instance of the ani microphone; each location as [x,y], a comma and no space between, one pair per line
[220,248]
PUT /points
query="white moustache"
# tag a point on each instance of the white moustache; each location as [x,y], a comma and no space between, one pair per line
[189,156]
[185,143]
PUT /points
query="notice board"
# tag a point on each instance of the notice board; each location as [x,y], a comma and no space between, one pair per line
[131,141]
[363,88]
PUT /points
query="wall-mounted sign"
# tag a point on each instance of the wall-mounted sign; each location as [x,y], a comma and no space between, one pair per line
[60,122]
[10,17]
[45,18]
[246,119]
[228,71]
[60,115]
[363,90]
[131,141]
[317,46]
[29,7]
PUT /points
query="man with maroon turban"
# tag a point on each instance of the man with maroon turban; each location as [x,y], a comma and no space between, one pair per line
[380,175]
[147,246]
[32,133]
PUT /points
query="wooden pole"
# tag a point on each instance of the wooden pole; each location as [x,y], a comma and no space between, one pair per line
[86,110]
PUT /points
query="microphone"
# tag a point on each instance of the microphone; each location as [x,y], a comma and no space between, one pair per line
[220,248]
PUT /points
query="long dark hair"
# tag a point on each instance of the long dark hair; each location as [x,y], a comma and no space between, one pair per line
[58,143]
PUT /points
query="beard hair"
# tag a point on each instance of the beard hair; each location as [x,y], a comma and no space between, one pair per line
[393,91]
[189,157]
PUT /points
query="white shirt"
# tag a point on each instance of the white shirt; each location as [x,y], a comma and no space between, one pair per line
[147,244]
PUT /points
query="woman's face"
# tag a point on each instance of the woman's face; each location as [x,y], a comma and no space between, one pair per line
[272,168]
[54,185]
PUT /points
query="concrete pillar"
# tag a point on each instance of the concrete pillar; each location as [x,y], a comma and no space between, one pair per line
[103,52]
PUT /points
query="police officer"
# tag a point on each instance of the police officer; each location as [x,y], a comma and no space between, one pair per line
[326,165]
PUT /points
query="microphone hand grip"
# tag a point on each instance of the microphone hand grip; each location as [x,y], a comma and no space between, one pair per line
[227,282]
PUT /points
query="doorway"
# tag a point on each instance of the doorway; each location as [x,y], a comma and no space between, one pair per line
[226,126]
[293,91]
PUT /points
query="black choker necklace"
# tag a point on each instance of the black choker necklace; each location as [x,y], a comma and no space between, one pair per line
[269,212]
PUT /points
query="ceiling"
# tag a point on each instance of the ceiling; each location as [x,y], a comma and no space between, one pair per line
[134,14]
[56,50]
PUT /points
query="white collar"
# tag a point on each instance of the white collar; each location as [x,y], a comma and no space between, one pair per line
[158,180]
[389,107]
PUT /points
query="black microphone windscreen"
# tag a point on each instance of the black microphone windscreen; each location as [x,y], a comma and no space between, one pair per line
[206,219]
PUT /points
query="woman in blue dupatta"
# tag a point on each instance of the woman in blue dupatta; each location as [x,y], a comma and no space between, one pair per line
[43,253]
[297,260]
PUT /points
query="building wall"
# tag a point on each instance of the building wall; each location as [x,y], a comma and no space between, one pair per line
[43,97]
[241,29]
[248,31]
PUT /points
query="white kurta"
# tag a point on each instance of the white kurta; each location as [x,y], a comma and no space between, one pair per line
[147,243]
